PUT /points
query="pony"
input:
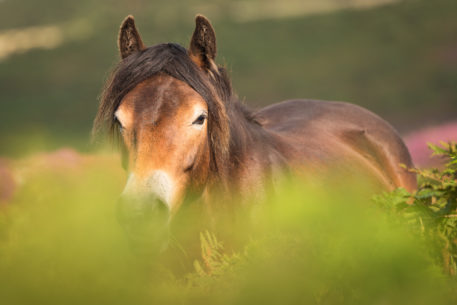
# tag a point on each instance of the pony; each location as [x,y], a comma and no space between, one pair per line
[185,135]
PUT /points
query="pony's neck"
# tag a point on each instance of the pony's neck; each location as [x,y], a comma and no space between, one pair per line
[253,150]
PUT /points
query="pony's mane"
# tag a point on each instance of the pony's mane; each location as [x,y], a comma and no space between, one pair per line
[226,115]
[170,59]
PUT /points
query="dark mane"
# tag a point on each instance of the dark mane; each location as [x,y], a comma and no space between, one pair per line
[227,117]
[171,59]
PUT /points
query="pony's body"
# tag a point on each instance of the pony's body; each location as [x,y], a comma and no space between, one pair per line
[317,138]
[186,135]
[321,134]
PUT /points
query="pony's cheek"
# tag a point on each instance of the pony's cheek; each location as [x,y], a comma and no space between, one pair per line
[193,152]
[190,159]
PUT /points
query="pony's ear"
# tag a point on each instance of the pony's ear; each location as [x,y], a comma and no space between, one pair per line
[202,48]
[129,39]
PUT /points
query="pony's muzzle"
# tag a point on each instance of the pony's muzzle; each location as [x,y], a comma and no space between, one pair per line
[145,221]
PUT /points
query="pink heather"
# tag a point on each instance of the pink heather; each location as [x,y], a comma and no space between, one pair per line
[417,143]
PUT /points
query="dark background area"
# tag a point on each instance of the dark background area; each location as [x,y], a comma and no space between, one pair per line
[398,59]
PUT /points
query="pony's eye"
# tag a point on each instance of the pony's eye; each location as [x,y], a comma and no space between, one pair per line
[200,120]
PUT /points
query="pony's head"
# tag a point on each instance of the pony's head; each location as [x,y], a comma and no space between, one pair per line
[167,106]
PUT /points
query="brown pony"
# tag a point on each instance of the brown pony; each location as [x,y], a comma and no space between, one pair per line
[184,132]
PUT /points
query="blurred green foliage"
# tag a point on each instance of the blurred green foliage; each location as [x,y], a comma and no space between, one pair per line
[398,60]
[432,209]
[315,243]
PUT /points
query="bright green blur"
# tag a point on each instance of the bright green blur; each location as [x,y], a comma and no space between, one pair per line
[60,243]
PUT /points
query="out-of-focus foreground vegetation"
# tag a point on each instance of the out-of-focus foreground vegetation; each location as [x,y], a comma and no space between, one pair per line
[60,243]
[398,59]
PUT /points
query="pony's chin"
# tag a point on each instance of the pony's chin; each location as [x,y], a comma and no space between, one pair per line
[147,234]
[145,222]
[149,242]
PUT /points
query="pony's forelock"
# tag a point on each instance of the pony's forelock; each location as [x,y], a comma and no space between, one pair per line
[170,59]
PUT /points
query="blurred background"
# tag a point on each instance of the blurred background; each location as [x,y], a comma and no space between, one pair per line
[397,58]
[60,242]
